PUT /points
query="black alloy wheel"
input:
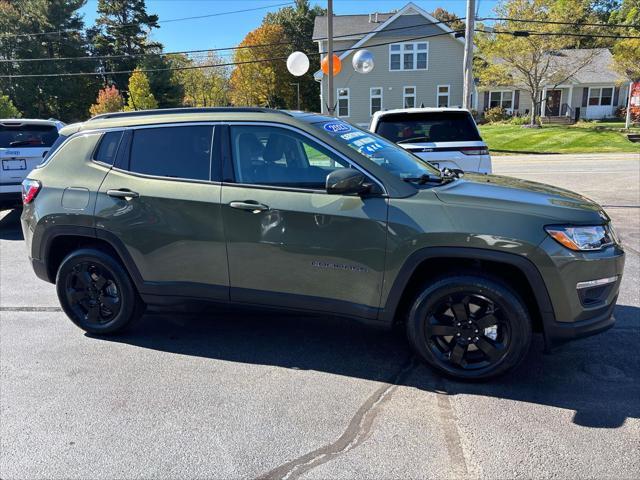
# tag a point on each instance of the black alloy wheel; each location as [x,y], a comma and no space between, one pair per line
[469,327]
[96,292]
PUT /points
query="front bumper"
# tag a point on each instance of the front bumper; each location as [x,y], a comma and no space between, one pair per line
[579,312]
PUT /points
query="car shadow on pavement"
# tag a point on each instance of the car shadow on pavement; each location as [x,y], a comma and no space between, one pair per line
[598,377]
[10,225]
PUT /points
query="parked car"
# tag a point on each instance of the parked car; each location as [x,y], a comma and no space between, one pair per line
[307,212]
[23,145]
[444,137]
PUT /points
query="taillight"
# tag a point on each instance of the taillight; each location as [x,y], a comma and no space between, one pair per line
[474,150]
[30,189]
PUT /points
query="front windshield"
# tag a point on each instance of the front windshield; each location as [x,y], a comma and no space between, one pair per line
[382,152]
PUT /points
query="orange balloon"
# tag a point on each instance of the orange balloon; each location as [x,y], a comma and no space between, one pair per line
[337,65]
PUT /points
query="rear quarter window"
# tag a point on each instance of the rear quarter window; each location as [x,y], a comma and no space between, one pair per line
[428,127]
[108,147]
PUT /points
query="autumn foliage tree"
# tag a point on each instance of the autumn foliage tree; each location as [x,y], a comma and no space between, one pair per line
[109,100]
[140,96]
[203,86]
[255,82]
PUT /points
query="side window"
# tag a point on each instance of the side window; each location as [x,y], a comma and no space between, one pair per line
[106,152]
[279,157]
[175,152]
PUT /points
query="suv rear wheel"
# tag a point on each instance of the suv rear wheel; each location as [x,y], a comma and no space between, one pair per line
[469,327]
[96,292]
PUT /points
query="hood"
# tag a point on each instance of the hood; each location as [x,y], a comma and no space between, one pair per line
[515,195]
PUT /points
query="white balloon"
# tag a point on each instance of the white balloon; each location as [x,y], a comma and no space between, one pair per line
[363,61]
[298,64]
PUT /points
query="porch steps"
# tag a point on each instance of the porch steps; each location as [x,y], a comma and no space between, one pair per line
[559,120]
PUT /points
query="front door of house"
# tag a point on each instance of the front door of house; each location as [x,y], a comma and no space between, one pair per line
[553,103]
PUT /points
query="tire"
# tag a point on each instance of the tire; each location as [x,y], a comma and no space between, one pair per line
[96,292]
[469,326]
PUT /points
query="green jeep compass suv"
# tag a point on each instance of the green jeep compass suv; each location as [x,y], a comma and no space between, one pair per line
[306,212]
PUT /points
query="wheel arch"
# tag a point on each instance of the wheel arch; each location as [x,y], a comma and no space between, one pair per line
[431,262]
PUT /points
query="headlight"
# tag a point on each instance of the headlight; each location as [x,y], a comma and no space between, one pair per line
[582,238]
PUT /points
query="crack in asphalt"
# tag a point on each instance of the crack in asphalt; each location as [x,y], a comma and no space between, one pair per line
[356,433]
[30,309]
[452,437]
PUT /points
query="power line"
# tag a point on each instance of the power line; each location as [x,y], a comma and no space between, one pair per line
[193,67]
[184,52]
[552,22]
[170,20]
[527,33]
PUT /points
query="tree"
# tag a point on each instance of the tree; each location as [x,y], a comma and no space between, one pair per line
[451,19]
[140,96]
[109,100]
[530,63]
[62,97]
[122,28]
[626,51]
[165,87]
[7,108]
[297,24]
[204,87]
[255,82]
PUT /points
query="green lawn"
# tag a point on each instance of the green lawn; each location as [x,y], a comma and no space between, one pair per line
[579,138]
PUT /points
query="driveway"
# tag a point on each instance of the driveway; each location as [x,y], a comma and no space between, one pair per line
[252,394]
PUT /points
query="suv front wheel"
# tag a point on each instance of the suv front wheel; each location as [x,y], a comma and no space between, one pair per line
[96,292]
[469,327]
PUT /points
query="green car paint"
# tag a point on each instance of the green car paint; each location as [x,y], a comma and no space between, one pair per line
[309,249]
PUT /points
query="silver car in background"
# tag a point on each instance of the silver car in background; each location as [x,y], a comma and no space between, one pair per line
[445,137]
[24,143]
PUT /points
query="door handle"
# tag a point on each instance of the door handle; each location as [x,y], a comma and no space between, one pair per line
[122,193]
[249,205]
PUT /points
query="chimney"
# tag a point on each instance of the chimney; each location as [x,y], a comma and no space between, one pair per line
[371,18]
[376,17]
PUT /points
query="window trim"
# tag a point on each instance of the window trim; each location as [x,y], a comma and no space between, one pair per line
[414,52]
[348,97]
[405,96]
[438,95]
[228,154]
[600,96]
[372,96]
[213,124]
[501,92]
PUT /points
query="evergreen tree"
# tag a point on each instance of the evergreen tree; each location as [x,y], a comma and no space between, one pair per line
[164,85]
[122,28]
[7,108]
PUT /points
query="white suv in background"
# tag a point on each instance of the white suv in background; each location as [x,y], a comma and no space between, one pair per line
[23,144]
[444,137]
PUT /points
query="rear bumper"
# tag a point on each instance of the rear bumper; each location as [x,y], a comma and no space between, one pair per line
[8,196]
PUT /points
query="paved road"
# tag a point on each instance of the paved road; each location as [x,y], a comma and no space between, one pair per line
[230,394]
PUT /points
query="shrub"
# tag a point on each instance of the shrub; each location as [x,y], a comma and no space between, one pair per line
[520,120]
[495,114]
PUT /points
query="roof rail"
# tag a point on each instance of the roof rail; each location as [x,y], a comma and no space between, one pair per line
[169,111]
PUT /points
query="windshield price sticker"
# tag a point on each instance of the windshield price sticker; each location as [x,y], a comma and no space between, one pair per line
[336,127]
[352,135]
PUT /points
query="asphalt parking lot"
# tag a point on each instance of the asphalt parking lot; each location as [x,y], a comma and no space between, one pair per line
[247,394]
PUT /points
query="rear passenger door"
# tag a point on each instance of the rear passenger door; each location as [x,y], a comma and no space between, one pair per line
[160,203]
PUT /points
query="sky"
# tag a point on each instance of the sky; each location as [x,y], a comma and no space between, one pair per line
[229,30]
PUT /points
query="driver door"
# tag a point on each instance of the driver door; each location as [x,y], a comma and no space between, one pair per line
[290,243]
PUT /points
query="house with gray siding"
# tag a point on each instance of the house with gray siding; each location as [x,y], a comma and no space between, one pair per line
[595,91]
[418,62]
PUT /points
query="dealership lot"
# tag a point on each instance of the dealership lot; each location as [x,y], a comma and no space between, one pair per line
[251,394]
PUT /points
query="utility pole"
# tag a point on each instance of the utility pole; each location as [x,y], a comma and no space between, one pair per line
[330,93]
[627,122]
[467,88]
[298,90]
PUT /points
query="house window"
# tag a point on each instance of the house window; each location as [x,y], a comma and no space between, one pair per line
[502,99]
[600,96]
[409,56]
[343,102]
[375,100]
[443,96]
[409,97]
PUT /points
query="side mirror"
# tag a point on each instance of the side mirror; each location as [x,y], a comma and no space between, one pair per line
[347,181]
